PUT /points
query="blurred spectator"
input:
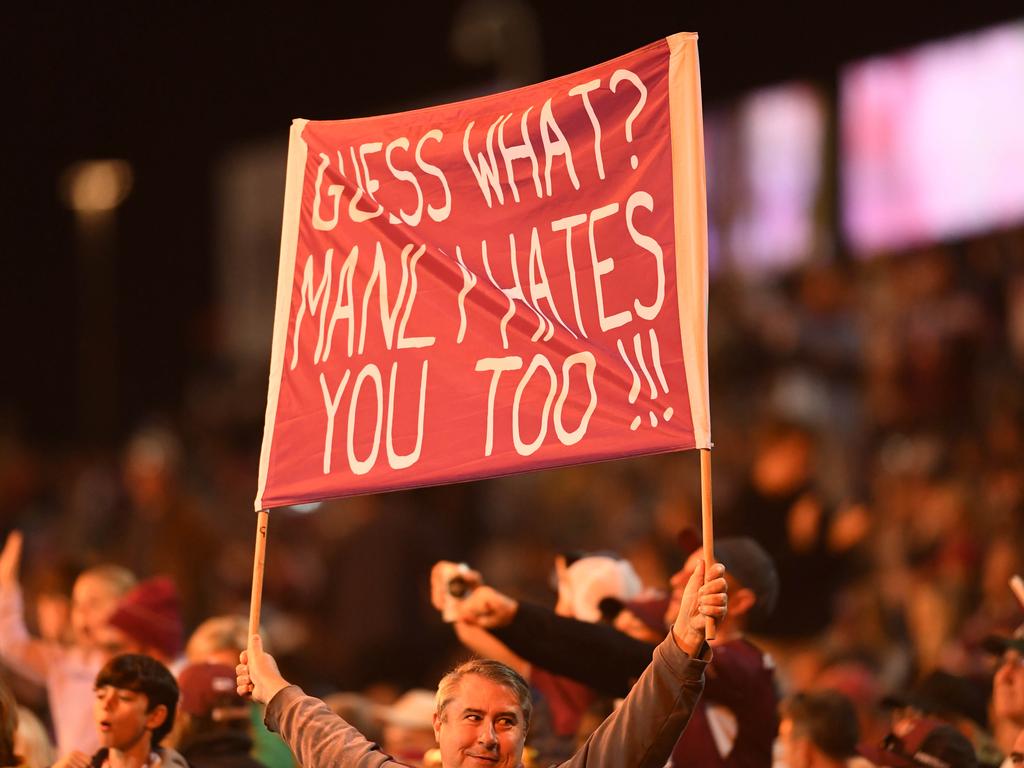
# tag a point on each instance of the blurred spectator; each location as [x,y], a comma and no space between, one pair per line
[220,640]
[67,671]
[780,507]
[8,726]
[817,730]
[147,620]
[1016,757]
[31,741]
[925,743]
[1007,705]
[358,710]
[214,731]
[158,519]
[953,699]
[856,679]
[585,580]
[409,726]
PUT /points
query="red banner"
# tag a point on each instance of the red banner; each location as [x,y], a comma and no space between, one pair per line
[498,285]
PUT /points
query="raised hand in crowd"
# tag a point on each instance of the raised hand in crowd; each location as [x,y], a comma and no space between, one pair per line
[450,582]
[10,558]
[486,607]
[472,602]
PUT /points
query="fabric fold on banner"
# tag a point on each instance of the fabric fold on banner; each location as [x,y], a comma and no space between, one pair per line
[493,286]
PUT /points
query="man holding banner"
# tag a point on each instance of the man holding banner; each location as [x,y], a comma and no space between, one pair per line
[500,285]
[483,708]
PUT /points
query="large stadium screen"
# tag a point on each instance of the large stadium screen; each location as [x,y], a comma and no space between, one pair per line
[932,141]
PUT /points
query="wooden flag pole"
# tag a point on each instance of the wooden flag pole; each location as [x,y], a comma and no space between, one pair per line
[262,519]
[708,530]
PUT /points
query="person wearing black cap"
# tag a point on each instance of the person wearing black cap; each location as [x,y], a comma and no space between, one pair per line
[736,720]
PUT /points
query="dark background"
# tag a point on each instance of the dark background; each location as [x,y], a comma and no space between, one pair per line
[171,87]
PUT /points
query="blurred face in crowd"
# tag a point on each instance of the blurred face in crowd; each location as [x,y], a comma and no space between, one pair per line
[795,748]
[482,725]
[1008,688]
[93,600]
[782,464]
[122,718]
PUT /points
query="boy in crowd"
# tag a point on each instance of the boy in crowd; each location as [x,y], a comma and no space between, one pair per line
[135,702]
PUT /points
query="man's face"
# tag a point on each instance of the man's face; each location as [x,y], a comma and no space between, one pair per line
[122,719]
[482,726]
[93,600]
[1008,688]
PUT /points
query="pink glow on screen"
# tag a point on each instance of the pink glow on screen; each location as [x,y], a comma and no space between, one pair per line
[765,160]
[933,141]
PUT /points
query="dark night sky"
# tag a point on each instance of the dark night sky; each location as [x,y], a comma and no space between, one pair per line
[172,86]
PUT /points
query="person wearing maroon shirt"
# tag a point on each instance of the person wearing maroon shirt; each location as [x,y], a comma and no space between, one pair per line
[736,720]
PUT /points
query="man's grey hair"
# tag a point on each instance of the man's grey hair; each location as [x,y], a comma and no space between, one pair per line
[496,672]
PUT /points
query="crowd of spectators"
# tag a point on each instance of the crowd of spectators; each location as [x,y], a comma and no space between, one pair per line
[868,420]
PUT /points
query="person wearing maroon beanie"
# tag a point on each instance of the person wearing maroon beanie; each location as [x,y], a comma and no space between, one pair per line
[147,620]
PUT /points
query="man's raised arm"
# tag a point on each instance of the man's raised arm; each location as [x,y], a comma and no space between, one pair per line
[643,730]
[315,734]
